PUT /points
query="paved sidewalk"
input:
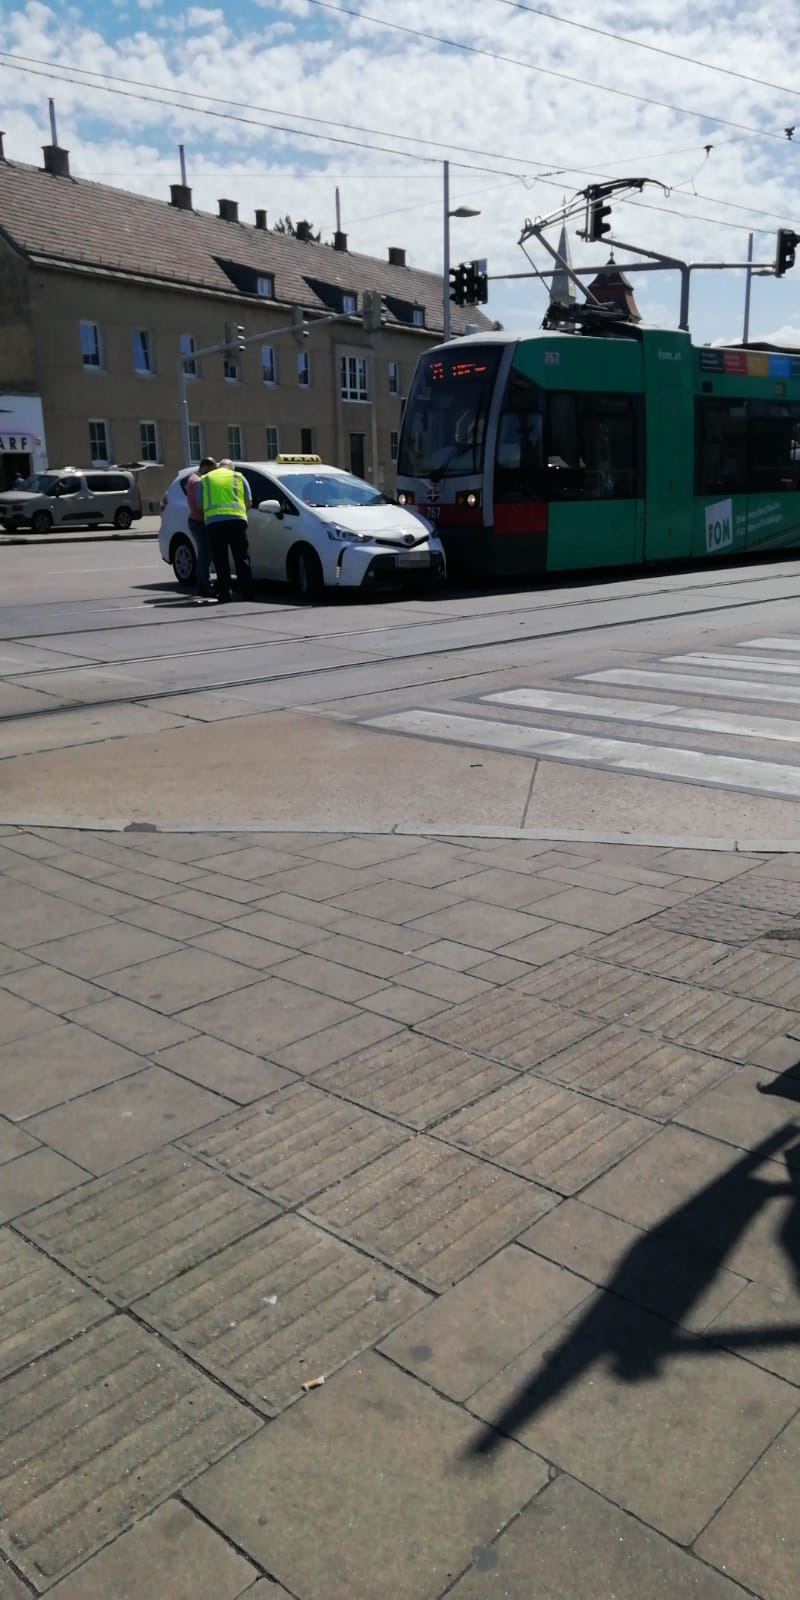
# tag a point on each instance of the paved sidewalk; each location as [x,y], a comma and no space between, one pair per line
[146,528]
[499,1138]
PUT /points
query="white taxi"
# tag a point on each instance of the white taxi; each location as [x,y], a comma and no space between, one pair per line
[315,527]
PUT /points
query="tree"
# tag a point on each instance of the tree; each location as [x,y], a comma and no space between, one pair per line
[296,230]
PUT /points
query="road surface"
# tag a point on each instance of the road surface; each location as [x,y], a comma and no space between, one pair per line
[659,705]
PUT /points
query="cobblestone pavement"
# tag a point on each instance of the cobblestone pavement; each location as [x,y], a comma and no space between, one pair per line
[499,1138]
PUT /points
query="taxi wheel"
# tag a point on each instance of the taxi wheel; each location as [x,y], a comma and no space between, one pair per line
[184,564]
[305,573]
[41,522]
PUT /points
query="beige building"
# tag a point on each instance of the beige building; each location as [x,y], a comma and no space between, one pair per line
[101,291]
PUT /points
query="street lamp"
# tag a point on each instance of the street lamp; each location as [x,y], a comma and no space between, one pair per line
[460,211]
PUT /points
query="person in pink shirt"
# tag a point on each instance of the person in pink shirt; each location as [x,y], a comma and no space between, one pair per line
[197,527]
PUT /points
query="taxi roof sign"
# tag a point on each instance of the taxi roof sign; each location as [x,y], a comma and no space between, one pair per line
[300,460]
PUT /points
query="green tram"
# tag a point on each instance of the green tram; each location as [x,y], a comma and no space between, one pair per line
[559,450]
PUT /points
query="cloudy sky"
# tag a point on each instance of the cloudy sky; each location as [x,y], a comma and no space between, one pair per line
[278,102]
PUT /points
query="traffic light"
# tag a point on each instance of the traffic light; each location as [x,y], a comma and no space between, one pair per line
[372,311]
[234,336]
[299,325]
[469,285]
[786,250]
[458,284]
[597,215]
[479,284]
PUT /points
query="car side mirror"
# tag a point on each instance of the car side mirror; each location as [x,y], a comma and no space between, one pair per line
[271,506]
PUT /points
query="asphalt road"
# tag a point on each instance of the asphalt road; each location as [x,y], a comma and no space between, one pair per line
[660,704]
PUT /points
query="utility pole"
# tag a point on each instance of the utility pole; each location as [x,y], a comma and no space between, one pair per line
[446,255]
[747,284]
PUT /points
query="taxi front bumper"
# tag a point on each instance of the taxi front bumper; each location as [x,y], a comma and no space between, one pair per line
[364,567]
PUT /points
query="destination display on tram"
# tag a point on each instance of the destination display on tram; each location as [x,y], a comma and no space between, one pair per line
[440,372]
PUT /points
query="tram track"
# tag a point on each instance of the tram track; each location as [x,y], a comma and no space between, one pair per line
[140,693]
[436,618]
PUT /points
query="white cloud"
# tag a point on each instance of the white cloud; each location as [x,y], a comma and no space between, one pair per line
[788,334]
[539,136]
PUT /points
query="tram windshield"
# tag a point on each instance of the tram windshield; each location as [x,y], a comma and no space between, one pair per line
[444,426]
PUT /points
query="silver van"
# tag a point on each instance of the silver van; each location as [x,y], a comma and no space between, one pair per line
[72,498]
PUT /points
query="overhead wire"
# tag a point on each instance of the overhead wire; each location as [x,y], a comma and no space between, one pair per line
[111,83]
[37,64]
[641,44]
[551,72]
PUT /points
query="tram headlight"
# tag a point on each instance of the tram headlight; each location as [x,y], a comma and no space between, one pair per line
[468,497]
[404,498]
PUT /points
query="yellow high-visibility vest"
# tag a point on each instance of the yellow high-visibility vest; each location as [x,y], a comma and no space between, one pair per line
[223,495]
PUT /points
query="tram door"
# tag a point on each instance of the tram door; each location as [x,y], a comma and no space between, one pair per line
[670,468]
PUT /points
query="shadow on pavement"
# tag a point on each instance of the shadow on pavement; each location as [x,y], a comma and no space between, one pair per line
[786,1085]
[666,1272]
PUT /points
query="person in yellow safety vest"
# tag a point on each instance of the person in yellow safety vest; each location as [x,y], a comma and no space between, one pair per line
[226,496]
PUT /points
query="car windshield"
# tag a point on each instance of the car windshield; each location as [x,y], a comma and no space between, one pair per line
[341,489]
[39,483]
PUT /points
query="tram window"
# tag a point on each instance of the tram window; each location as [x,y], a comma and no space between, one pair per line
[519,453]
[591,446]
[774,429]
[721,447]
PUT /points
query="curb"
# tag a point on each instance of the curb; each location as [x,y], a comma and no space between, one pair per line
[93,536]
[660,841]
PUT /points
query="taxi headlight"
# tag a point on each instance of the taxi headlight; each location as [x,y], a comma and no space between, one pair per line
[342,535]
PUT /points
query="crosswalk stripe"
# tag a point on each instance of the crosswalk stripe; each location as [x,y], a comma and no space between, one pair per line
[708,658]
[605,708]
[694,683]
[769,644]
[664,761]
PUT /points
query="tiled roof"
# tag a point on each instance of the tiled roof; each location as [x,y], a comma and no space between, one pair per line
[96,227]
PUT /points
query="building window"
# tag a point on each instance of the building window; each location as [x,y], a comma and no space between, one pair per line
[231,367]
[188,347]
[418,316]
[353,377]
[90,346]
[303,369]
[307,441]
[98,442]
[235,447]
[142,350]
[394,378]
[195,443]
[266,287]
[272,443]
[394,440]
[268,369]
[349,304]
[357,454]
[148,439]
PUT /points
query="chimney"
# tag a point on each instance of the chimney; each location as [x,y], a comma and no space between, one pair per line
[340,240]
[229,210]
[180,193]
[261,220]
[397,257]
[2,151]
[303,231]
[56,160]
